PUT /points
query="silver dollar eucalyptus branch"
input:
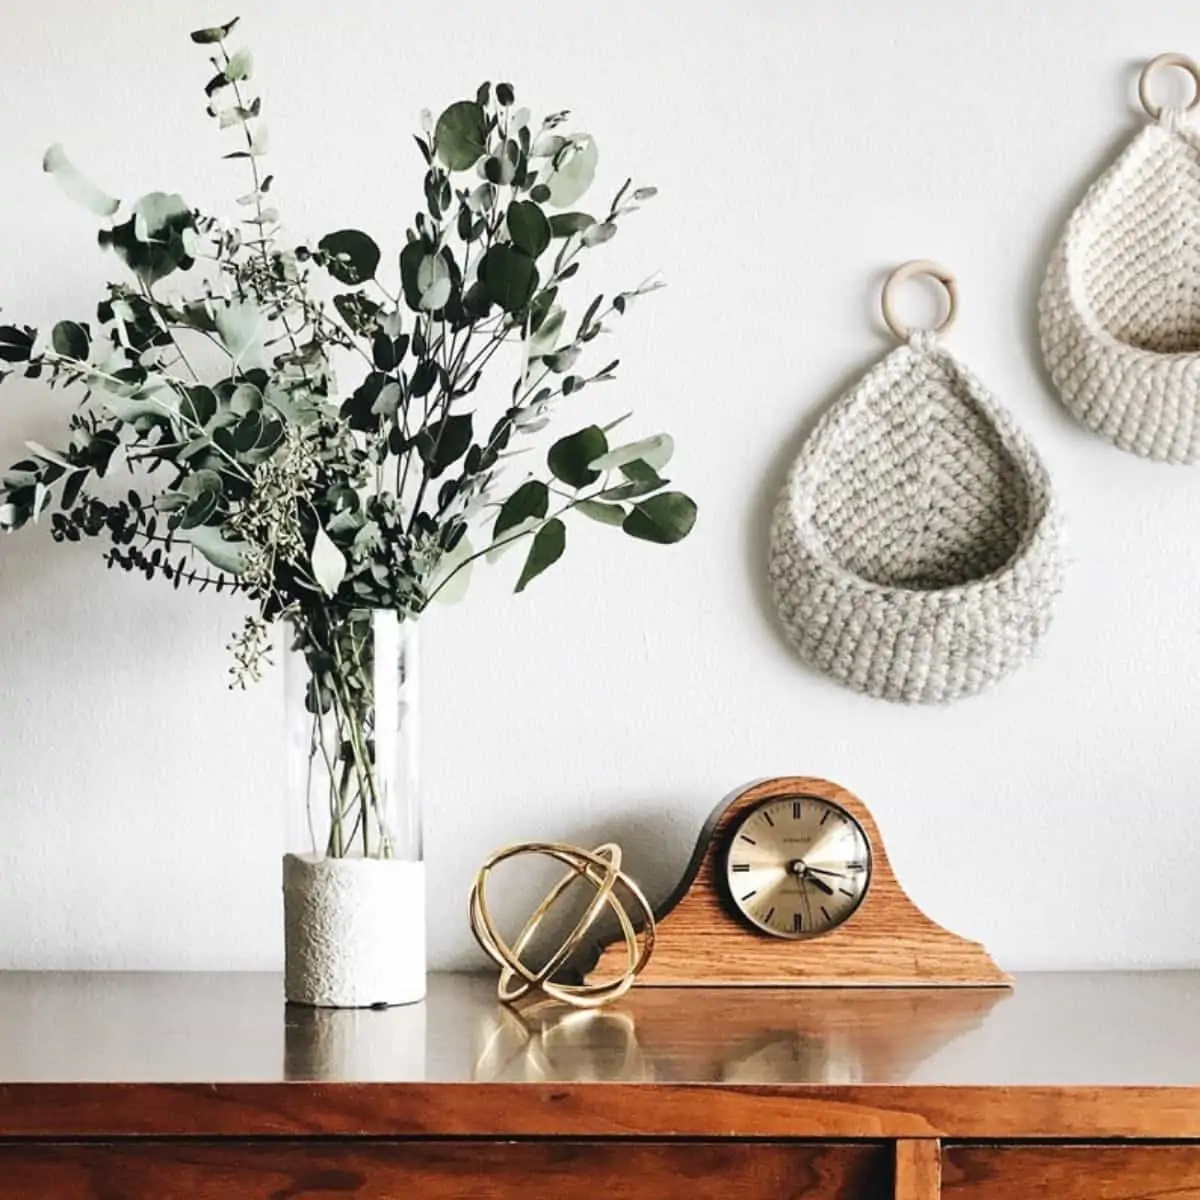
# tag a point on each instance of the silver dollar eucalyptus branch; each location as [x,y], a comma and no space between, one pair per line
[209,374]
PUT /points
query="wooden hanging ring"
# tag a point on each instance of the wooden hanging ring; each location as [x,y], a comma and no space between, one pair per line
[1167,60]
[913,270]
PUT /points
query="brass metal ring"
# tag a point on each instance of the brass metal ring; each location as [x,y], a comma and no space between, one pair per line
[602,869]
[1184,63]
[911,270]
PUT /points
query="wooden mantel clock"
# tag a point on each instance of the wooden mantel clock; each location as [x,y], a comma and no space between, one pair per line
[790,885]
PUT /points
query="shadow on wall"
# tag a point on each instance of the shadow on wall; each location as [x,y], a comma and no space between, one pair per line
[657,841]
[757,542]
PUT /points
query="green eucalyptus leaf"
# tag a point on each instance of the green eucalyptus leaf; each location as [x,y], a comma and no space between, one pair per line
[528,227]
[460,136]
[570,457]
[427,278]
[606,514]
[387,403]
[241,66]
[70,340]
[434,282]
[198,406]
[328,563]
[563,360]
[597,235]
[153,243]
[214,34]
[361,313]
[505,95]
[654,452]
[227,556]
[547,548]
[241,325]
[444,443]
[16,345]
[509,277]
[565,224]
[77,186]
[245,398]
[664,519]
[573,170]
[351,255]
[531,499]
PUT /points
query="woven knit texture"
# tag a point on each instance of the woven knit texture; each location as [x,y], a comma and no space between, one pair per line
[1120,306]
[914,550]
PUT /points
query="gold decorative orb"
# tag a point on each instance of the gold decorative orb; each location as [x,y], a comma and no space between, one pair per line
[602,869]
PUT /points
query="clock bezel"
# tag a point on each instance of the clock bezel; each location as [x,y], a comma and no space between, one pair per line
[725,887]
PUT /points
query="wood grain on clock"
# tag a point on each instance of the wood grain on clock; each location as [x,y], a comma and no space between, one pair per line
[887,942]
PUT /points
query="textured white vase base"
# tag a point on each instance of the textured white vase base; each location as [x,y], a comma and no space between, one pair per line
[354,931]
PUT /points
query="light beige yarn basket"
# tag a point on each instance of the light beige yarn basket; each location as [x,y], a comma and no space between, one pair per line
[914,549]
[1119,311]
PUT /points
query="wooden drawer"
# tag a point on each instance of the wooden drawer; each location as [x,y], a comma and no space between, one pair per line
[451,1170]
[1109,1172]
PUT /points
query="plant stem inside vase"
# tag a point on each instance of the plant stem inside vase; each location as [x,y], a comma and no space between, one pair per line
[358,701]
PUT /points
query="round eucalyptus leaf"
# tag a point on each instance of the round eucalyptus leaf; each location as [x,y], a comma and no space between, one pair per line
[569,457]
[565,224]
[509,277]
[531,499]
[664,519]
[351,255]
[460,137]
[528,227]
[70,340]
[572,170]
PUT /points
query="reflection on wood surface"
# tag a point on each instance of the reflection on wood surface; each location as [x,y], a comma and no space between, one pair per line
[731,1035]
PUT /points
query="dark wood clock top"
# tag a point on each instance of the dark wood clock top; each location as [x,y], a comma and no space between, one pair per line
[1088,1054]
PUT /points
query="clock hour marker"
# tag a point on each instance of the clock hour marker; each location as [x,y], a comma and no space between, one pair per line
[749,895]
[825,913]
[767,818]
[769,916]
[741,866]
[825,816]
[846,892]
[747,838]
[796,810]
[797,923]
[856,866]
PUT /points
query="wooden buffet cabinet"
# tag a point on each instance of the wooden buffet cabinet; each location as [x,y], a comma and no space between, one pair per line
[150,1087]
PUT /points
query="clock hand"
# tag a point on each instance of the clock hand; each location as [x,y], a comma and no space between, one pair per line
[819,883]
[825,871]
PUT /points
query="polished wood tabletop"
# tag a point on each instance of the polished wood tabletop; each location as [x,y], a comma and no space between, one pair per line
[1111,1054]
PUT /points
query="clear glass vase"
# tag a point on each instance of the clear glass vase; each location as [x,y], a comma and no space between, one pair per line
[354,885]
[352,740]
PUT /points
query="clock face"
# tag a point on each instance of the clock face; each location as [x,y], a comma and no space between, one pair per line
[797,867]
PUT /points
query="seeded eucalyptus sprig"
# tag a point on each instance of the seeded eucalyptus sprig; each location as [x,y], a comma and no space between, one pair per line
[209,373]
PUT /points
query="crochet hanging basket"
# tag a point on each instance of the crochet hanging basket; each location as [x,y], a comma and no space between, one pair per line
[1120,306]
[914,550]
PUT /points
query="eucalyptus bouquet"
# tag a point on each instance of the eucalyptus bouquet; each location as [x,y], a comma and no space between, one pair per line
[209,372]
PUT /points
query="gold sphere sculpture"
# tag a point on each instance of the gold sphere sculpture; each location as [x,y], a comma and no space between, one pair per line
[602,869]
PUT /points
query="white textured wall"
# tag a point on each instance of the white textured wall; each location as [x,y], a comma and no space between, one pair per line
[800,148]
